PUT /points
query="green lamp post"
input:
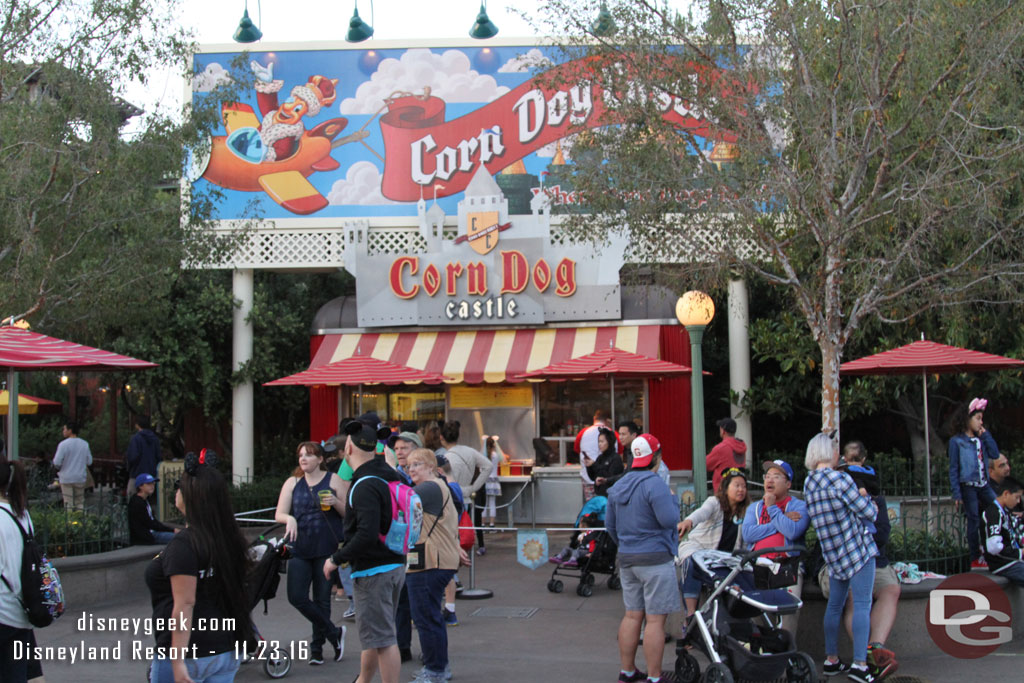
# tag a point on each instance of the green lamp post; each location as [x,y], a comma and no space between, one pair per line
[695,310]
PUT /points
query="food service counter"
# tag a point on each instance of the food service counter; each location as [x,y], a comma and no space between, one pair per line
[549,495]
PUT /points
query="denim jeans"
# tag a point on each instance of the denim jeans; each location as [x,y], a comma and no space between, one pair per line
[691,584]
[302,574]
[14,668]
[403,619]
[976,499]
[214,669]
[860,585]
[426,593]
[163,536]
[1014,573]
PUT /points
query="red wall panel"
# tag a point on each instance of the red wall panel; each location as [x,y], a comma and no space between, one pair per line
[670,402]
[323,403]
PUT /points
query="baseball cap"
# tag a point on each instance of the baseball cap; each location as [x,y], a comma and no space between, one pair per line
[644,447]
[145,478]
[364,437]
[779,465]
[411,437]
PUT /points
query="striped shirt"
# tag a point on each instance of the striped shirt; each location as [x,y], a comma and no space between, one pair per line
[838,512]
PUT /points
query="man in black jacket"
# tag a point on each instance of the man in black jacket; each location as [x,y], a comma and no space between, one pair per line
[378,574]
[143,454]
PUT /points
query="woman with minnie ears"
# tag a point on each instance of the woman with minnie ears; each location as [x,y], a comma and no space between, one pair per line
[970,449]
[200,575]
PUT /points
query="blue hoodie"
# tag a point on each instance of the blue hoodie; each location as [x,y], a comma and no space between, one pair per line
[641,518]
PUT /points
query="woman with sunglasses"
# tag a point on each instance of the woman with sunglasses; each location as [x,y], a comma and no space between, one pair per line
[432,564]
[197,583]
[310,508]
[715,525]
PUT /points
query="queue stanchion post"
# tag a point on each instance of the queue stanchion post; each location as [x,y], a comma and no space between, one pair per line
[472,592]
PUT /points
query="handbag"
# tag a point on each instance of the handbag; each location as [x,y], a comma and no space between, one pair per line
[416,558]
[780,573]
[467,537]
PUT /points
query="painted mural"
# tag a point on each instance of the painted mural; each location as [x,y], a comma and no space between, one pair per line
[361,132]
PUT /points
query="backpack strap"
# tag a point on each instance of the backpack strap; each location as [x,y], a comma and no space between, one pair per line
[25,537]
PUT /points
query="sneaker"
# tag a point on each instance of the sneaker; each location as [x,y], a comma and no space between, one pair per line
[638,675]
[979,563]
[861,675]
[450,619]
[570,563]
[350,613]
[555,559]
[339,644]
[316,658]
[882,672]
[425,676]
[835,668]
[446,676]
[482,550]
[879,656]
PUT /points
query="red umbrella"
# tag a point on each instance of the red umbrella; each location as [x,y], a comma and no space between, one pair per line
[357,370]
[22,349]
[927,357]
[611,362]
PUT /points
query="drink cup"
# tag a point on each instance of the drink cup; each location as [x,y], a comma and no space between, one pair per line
[324,495]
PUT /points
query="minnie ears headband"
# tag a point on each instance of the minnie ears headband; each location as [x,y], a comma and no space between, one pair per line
[977,405]
[193,461]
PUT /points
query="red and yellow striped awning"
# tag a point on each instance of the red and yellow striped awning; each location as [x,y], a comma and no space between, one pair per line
[478,356]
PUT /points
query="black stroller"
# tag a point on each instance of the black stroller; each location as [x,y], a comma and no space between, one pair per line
[600,559]
[268,556]
[738,626]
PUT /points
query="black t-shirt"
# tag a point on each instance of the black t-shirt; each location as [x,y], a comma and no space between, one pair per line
[210,634]
[729,531]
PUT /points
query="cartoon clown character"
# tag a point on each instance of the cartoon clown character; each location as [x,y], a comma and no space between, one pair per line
[282,124]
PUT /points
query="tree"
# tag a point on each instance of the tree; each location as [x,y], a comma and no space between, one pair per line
[90,221]
[864,158]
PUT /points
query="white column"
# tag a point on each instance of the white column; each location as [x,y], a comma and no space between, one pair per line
[242,395]
[739,358]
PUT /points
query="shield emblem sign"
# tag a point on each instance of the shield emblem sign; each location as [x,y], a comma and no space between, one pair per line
[482,231]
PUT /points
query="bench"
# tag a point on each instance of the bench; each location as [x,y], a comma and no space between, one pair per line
[114,576]
[909,636]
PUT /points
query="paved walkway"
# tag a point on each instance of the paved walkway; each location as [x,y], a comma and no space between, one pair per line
[566,638]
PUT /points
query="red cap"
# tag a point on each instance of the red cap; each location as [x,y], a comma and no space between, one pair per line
[644,447]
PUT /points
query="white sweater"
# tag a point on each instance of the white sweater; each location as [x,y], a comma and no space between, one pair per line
[11,544]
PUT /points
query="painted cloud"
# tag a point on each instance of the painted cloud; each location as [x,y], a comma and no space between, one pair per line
[213,75]
[449,76]
[361,185]
[524,63]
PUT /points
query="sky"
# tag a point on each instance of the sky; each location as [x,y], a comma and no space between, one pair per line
[215,21]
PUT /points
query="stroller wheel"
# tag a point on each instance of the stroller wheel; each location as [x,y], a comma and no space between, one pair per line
[589,579]
[277,664]
[584,590]
[556,586]
[801,669]
[687,668]
[614,582]
[717,673]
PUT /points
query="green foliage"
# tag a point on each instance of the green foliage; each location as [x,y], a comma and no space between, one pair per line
[65,533]
[875,179]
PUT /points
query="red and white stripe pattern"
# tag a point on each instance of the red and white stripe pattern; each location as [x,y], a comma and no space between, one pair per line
[479,356]
[927,356]
[26,350]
